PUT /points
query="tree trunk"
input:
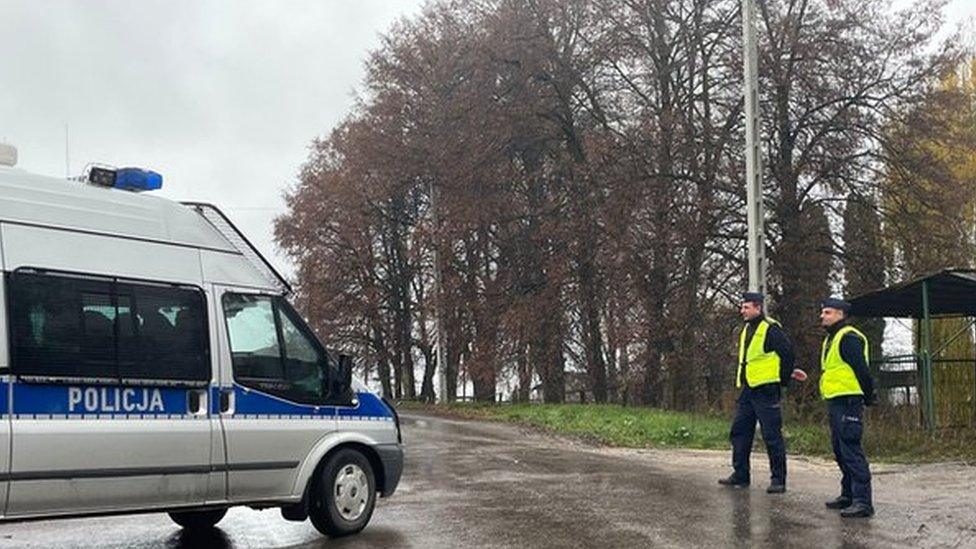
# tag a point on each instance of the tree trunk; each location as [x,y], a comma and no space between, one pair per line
[596,365]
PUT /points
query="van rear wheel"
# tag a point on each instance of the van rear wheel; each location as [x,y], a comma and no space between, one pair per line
[198,520]
[343,495]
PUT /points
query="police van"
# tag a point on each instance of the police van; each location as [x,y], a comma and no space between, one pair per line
[150,361]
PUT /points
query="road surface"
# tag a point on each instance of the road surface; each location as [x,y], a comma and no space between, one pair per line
[472,484]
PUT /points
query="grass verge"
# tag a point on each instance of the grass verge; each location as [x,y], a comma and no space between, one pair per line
[636,427]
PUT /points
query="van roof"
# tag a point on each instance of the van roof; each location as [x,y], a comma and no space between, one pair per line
[51,202]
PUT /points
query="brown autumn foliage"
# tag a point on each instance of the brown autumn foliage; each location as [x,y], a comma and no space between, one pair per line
[573,170]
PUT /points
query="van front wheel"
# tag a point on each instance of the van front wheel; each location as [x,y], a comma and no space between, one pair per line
[343,495]
[198,520]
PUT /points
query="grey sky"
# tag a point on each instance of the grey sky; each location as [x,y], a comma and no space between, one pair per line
[222,98]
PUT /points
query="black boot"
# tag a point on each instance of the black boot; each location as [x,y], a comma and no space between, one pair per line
[858,510]
[733,481]
[776,488]
[839,502]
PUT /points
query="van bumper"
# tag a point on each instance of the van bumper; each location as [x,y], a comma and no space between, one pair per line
[391,458]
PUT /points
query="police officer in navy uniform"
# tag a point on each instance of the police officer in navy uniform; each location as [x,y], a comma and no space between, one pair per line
[846,385]
[765,364]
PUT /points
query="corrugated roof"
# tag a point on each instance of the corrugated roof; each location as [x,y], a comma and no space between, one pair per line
[952,292]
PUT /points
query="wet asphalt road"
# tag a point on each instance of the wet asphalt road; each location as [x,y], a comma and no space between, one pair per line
[470,484]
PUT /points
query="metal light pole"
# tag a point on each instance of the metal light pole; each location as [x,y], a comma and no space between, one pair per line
[439,306]
[754,201]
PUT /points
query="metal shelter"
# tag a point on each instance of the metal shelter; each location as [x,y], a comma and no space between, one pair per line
[950,293]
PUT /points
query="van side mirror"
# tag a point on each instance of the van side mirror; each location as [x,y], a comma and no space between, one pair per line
[344,376]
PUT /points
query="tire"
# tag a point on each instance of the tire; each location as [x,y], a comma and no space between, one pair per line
[338,505]
[197,521]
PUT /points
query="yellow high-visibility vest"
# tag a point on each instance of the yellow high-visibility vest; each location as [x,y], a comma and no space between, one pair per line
[762,368]
[837,377]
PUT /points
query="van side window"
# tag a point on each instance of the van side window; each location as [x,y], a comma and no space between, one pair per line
[168,331]
[253,337]
[67,326]
[48,322]
[304,366]
[98,319]
[273,351]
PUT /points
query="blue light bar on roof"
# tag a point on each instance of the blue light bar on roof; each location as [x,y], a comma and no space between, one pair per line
[137,179]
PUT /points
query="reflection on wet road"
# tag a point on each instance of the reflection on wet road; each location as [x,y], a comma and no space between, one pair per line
[486,485]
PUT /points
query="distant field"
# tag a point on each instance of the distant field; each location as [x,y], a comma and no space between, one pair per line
[635,427]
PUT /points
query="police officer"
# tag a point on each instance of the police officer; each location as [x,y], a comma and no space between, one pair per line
[846,385]
[765,363]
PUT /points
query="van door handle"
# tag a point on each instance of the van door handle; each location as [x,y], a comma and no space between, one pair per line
[196,402]
[226,401]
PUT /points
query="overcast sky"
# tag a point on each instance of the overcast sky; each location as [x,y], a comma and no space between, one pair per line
[222,98]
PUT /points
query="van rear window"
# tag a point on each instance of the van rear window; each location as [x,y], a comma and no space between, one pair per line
[75,326]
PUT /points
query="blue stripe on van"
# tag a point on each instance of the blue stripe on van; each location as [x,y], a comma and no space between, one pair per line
[249,402]
[370,406]
[108,401]
[81,400]
[4,401]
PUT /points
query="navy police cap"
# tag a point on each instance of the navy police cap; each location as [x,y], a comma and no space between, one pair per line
[752,297]
[834,303]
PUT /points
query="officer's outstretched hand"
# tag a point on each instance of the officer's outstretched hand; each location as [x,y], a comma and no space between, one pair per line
[799,375]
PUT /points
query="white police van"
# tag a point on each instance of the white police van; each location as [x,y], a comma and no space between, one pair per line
[149,361]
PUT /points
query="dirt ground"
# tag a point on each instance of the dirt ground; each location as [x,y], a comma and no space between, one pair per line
[487,485]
